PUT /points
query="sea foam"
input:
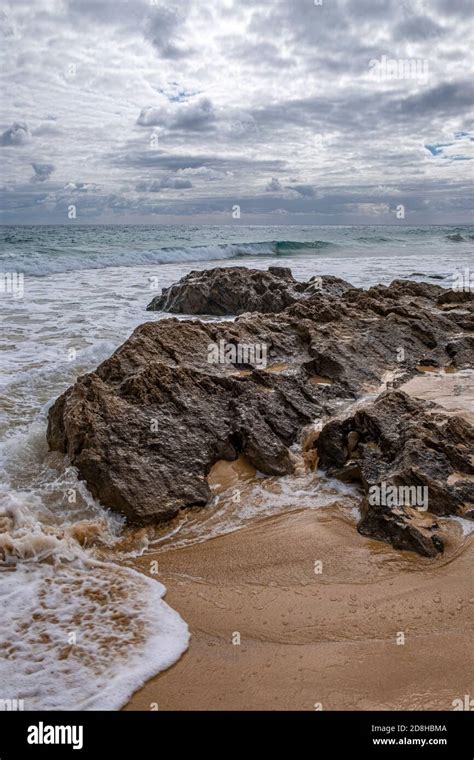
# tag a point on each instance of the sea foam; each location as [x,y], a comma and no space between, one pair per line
[83,635]
[77,633]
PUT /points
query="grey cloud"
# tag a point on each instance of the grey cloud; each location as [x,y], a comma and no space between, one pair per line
[158,22]
[368,9]
[418,28]
[112,12]
[176,183]
[7,29]
[347,205]
[150,117]
[274,186]
[454,7]
[162,29]
[161,160]
[258,53]
[17,134]
[47,129]
[42,172]
[448,97]
[306,191]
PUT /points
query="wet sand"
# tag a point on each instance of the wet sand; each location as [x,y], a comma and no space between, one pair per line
[300,612]
[454,392]
[308,637]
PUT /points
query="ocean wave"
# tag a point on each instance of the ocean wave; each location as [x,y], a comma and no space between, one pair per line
[428,275]
[456,237]
[15,239]
[40,263]
[378,239]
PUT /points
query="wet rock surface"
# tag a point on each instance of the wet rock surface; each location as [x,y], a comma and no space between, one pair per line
[235,290]
[413,462]
[145,428]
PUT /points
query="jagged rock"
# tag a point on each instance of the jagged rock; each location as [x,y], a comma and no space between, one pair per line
[232,290]
[409,458]
[145,428]
[461,351]
[455,296]
[235,290]
[405,528]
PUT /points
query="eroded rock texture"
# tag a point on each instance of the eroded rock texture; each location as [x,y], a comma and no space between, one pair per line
[413,461]
[145,428]
[235,290]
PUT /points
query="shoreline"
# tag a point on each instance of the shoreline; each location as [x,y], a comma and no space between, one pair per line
[307,638]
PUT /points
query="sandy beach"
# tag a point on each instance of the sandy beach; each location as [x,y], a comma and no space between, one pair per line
[308,638]
[326,635]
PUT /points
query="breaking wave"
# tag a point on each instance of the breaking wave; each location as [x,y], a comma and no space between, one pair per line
[456,237]
[44,261]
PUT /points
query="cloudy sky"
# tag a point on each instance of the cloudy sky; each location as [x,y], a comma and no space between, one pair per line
[298,111]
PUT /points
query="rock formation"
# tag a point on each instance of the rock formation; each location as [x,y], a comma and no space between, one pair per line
[145,428]
[235,290]
[413,462]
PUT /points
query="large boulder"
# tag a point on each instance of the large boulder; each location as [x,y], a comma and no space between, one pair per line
[145,428]
[235,290]
[412,460]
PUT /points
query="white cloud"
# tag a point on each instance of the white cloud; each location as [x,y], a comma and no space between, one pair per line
[157,185]
[196,115]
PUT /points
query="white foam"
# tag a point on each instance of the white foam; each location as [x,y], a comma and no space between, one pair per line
[466,525]
[83,635]
[261,498]
[76,633]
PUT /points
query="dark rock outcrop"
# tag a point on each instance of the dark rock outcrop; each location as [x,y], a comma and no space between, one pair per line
[413,462]
[456,296]
[235,290]
[145,428]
